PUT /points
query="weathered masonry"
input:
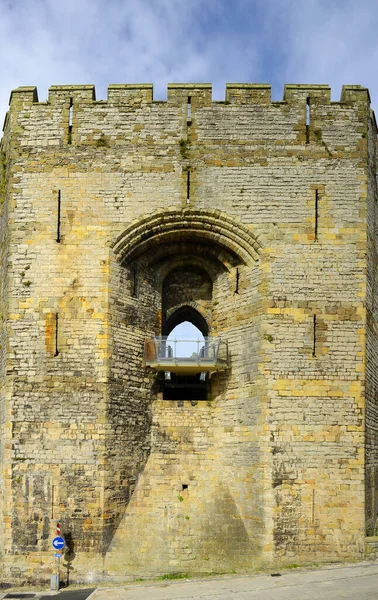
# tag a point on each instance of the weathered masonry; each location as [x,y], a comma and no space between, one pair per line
[257,222]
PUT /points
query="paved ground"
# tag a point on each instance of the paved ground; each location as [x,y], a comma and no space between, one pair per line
[357,582]
[352,582]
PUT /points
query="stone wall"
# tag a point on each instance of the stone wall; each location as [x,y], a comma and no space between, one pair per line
[371,452]
[4,448]
[266,211]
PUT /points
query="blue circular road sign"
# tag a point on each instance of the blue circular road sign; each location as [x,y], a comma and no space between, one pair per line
[58,543]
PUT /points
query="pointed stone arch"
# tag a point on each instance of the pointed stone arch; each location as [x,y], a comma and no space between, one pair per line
[186,312]
[169,226]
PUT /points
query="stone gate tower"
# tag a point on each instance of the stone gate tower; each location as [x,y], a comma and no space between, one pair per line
[257,222]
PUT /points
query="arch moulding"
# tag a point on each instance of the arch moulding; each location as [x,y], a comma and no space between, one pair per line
[164,227]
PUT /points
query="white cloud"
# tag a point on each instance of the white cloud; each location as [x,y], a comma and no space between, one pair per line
[331,42]
[93,41]
[46,42]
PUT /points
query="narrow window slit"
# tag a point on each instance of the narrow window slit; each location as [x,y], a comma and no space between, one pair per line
[70,113]
[189,109]
[316,214]
[237,276]
[135,282]
[58,219]
[52,500]
[188,186]
[308,120]
[308,113]
[56,334]
[314,336]
[70,121]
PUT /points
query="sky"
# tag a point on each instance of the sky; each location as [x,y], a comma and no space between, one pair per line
[185,331]
[46,42]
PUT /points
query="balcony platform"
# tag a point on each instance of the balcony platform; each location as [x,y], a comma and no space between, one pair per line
[186,356]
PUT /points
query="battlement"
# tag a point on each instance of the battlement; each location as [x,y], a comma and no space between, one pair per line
[199,93]
[73,116]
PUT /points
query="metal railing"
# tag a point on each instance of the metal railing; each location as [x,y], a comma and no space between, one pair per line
[162,349]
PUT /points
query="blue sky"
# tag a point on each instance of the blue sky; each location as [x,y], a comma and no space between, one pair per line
[47,42]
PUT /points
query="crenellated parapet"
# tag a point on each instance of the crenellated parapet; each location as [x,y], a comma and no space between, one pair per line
[306,117]
[299,93]
[248,93]
[25,93]
[199,93]
[130,93]
[80,93]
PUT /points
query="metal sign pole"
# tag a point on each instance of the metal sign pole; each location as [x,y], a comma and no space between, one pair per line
[58,573]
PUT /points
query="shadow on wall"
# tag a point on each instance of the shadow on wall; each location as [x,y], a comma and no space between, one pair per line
[130,451]
[69,556]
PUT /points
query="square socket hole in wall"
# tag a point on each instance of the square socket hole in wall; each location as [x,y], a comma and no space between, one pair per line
[185,486]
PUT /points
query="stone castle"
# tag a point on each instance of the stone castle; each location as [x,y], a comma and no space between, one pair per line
[257,222]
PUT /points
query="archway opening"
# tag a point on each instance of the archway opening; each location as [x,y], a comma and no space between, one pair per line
[186,296]
[195,323]
[186,340]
